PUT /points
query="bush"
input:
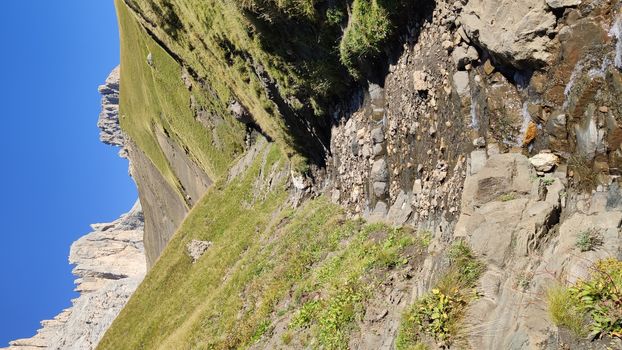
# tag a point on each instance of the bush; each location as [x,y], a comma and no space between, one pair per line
[601,298]
[368,28]
[594,304]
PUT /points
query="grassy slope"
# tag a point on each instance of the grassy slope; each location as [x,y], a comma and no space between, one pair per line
[267,259]
[262,254]
[293,45]
[156,99]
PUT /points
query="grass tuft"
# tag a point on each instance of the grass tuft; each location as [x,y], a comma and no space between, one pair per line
[566,311]
[437,314]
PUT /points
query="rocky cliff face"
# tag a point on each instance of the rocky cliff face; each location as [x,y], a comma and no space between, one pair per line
[109,262]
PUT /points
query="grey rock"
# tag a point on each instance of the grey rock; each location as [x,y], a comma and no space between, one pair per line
[380,189]
[108,123]
[401,210]
[240,113]
[420,80]
[463,56]
[461,83]
[379,213]
[590,139]
[512,31]
[478,160]
[479,142]
[380,171]
[378,150]
[557,4]
[505,233]
[377,135]
[196,249]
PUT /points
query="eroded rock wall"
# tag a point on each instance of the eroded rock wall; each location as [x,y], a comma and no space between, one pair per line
[477,78]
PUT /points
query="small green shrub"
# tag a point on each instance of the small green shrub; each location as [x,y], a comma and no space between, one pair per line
[601,298]
[507,197]
[594,304]
[588,240]
[334,16]
[424,238]
[368,28]
[287,337]
[306,314]
[336,318]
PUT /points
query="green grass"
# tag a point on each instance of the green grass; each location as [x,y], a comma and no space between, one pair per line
[263,254]
[437,314]
[154,100]
[507,197]
[281,59]
[565,311]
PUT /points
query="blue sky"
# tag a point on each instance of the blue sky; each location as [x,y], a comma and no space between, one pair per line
[56,178]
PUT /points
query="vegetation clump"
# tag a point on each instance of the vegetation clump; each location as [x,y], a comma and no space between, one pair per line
[437,314]
[343,283]
[368,28]
[593,305]
[589,240]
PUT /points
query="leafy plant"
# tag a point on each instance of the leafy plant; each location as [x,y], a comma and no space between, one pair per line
[594,304]
[306,314]
[588,240]
[548,181]
[601,298]
[425,238]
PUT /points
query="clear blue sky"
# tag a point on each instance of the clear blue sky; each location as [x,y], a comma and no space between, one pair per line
[56,178]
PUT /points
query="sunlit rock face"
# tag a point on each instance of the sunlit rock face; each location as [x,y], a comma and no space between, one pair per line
[109,261]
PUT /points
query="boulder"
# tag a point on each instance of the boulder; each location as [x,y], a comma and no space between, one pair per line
[544,162]
[514,32]
[420,80]
[463,56]
[380,171]
[196,249]
[461,82]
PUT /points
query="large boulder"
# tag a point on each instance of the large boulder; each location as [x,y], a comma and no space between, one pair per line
[514,32]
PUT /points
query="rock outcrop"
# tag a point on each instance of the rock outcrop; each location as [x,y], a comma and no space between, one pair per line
[526,230]
[110,264]
[108,123]
[516,32]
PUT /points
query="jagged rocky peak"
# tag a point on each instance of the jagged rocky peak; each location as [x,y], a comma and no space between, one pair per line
[110,264]
[110,130]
